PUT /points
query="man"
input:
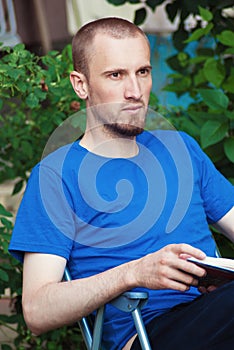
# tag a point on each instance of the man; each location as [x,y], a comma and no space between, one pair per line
[124,208]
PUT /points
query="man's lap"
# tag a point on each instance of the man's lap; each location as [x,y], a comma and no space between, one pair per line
[206,323]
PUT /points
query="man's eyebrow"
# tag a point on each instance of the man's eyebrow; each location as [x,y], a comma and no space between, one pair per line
[114,69]
[123,70]
[148,66]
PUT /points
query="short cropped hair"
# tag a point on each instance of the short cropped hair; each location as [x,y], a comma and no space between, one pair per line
[117,28]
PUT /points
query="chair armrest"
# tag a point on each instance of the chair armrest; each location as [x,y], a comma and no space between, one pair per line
[133,302]
[129,301]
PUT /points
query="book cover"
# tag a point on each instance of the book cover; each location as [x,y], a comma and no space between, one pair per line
[219,271]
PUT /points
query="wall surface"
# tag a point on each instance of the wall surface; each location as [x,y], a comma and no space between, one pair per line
[28,24]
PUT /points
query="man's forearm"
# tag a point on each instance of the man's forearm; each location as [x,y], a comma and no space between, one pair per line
[58,304]
[49,303]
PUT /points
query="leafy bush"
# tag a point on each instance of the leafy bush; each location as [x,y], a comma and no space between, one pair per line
[11,279]
[208,77]
[35,97]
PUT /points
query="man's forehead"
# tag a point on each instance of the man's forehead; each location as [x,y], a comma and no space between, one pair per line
[105,36]
[104,44]
[109,52]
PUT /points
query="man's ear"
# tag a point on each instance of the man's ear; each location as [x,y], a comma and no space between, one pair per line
[79,83]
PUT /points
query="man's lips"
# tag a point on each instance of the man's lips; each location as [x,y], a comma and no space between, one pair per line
[132,108]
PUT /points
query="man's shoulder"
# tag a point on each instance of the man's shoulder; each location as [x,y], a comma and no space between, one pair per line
[58,161]
[62,156]
[151,137]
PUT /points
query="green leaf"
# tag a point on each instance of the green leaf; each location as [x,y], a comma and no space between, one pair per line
[215,152]
[199,78]
[32,101]
[198,59]
[229,114]
[154,3]
[19,47]
[4,212]
[16,73]
[197,34]
[153,100]
[18,187]
[201,117]
[198,117]
[179,37]
[215,99]
[229,51]
[6,347]
[117,2]
[229,148]
[183,84]
[214,72]
[172,9]
[4,276]
[200,32]
[10,319]
[226,38]
[41,95]
[212,132]
[22,86]
[205,14]
[182,56]
[140,16]
[5,245]
[190,127]
[229,84]
[6,223]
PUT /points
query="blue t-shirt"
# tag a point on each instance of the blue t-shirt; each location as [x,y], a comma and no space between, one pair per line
[99,212]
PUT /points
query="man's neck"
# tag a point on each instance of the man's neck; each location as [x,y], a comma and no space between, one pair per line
[110,147]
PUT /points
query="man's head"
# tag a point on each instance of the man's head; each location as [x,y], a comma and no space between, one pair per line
[113,75]
[82,43]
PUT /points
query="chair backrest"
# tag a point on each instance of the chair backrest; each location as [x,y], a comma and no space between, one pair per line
[8,27]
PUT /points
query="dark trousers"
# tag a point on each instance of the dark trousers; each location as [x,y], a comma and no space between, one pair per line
[207,323]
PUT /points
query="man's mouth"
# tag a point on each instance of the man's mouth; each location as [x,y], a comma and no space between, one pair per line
[133,108]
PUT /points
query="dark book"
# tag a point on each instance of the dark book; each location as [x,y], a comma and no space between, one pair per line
[219,271]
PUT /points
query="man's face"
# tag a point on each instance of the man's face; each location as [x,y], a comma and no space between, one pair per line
[119,83]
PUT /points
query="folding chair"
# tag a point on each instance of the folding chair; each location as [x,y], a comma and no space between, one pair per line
[127,302]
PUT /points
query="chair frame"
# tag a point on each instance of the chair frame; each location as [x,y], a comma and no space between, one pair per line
[127,302]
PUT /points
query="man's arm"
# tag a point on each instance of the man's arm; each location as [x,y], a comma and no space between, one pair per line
[49,303]
[226,224]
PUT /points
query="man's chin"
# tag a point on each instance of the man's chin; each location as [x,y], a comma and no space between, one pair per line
[123,130]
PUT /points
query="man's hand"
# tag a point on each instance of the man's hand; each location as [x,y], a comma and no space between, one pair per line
[209,289]
[168,268]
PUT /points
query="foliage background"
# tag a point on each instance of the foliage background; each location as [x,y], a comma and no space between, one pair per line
[36,96]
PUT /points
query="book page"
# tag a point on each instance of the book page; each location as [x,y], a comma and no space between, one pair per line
[212,261]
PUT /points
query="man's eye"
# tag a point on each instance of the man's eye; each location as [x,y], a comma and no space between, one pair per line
[144,71]
[115,75]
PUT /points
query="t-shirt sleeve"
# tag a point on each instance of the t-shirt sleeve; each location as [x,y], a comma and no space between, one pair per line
[44,222]
[217,192]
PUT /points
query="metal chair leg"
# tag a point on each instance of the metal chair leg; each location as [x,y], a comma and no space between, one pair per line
[141,331]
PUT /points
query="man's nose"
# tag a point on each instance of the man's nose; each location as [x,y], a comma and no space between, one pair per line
[132,89]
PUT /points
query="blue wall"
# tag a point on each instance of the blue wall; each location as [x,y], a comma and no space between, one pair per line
[161,49]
